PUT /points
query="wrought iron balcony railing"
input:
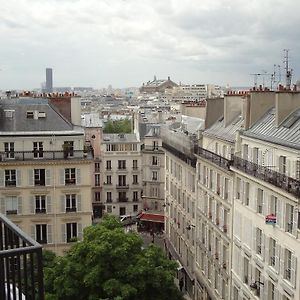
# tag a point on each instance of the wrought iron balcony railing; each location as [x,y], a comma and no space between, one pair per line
[289,184]
[47,155]
[188,159]
[21,270]
[213,157]
[122,186]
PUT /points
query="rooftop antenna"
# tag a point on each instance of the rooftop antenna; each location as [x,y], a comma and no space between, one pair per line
[255,75]
[288,71]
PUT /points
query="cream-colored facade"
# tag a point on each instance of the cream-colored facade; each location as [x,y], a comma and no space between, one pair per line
[122,174]
[45,183]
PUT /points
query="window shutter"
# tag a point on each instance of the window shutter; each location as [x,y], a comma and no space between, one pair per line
[18,178]
[2,178]
[221,216]
[19,205]
[265,209]
[32,204]
[2,205]
[282,258]
[266,252]
[49,204]
[63,233]
[79,230]
[78,202]
[78,178]
[295,221]
[49,234]
[263,236]
[48,177]
[33,232]
[288,168]
[30,177]
[62,177]
[63,203]
[280,213]
[277,257]
[293,270]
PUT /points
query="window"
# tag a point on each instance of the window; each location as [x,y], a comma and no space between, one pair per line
[135,208]
[135,196]
[39,177]
[260,199]
[41,233]
[123,197]
[134,164]
[226,188]
[273,205]
[255,155]
[71,232]
[238,188]
[259,238]
[288,265]
[272,253]
[154,176]
[257,276]
[245,151]
[9,149]
[247,190]
[108,179]
[68,148]
[122,180]
[71,203]
[97,167]
[37,149]
[70,177]
[29,114]
[271,290]
[108,197]
[109,209]
[10,178]
[289,218]
[108,165]
[97,179]
[121,164]
[154,161]
[97,196]
[11,205]
[155,145]
[122,211]
[135,179]
[40,204]
[282,164]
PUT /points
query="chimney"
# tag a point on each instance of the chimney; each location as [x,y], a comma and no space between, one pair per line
[285,104]
[169,78]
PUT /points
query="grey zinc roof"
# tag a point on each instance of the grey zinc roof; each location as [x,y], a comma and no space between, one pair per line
[227,133]
[18,121]
[287,134]
[117,138]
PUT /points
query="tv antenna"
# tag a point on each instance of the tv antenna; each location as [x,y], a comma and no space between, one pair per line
[288,71]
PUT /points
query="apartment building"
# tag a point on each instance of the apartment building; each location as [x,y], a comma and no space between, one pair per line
[180,197]
[45,187]
[266,248]
[215,203]
[122,174]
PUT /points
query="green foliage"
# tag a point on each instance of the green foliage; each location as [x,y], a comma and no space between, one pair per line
[110,264]
[119,126]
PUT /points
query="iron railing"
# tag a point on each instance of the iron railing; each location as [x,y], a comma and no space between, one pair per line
[122,186]
[21,270]
[188,159]
[213,157]
[43,155]
[289,184]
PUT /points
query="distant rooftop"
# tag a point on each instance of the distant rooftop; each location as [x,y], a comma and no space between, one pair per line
[91,120]
[118,138]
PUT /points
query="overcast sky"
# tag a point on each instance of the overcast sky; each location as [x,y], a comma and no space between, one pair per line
[127,42]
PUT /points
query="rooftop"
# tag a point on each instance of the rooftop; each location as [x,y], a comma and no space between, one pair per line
[119,138]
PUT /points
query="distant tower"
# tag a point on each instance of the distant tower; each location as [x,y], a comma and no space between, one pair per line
[49,80]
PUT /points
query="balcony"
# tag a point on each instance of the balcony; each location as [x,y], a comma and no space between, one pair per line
[122,199]
[71,209]
[213,157]
[21,272]
[188,159]
[40,210]
[279,180]
[47,155]
[122,186]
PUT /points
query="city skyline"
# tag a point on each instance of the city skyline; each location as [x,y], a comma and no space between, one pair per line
[95,43]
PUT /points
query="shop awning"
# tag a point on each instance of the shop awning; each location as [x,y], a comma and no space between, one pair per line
[152,217]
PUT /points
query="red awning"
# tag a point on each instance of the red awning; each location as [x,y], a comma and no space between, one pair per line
[152,217]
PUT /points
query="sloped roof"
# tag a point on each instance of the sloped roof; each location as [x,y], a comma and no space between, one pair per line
[227,133]
[52,120]
[287,134]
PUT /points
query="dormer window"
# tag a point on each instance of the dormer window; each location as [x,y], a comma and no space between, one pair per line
[9,113]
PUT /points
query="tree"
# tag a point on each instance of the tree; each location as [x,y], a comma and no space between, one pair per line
[110,264]
[119,126]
